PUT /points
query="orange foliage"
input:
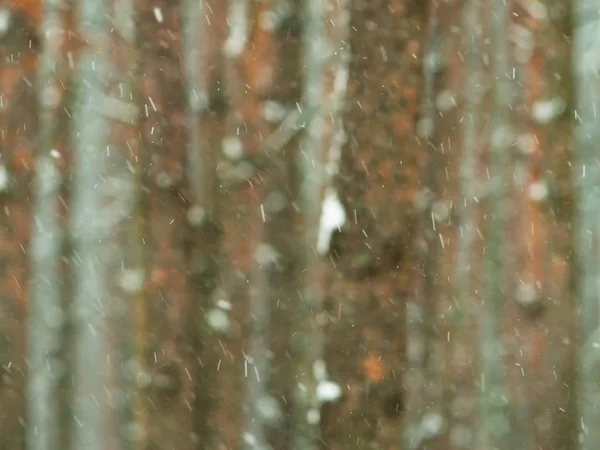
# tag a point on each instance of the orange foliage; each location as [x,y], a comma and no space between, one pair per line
[22,159]
[159,276]
[373,368]
[386,169]
[32,9]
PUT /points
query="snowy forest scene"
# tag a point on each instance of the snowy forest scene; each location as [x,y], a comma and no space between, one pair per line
[299,225]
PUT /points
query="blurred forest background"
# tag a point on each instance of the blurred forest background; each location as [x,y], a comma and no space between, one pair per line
[299,224]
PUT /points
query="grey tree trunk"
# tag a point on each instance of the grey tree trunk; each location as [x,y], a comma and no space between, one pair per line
[307,338]
[201,215]
[46,315]
[495,422]
[197,100]
[464,317]
[586,61]
[422,343]
[126,306]
[103,193]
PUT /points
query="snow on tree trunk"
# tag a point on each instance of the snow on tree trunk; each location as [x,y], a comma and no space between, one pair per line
[46,315]
[586,62]
[325,62]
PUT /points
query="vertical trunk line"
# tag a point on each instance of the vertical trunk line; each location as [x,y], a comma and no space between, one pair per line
[46,315]
[495,423]
[585,66]
[90,143]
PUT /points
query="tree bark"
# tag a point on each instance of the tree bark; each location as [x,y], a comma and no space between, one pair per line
[46,314]
[586,63]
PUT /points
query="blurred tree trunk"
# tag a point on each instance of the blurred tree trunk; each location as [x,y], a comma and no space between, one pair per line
[320,213]
[585,64]
[495,422]
[126,262]
[424,340]
[90,230]
[18,129]
[250,68]
[540,358]
[105,143]
[204,229]
[46,314]
[466,249]
[169,346]
[307,339]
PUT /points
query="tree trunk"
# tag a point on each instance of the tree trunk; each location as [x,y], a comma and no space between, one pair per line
[586,63]
[46,314]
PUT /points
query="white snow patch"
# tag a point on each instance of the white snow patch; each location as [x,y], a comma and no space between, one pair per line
[250,439]
[158,15]
[328,391]
[340,83]
[275,202]
[536,9]
[538,191]
[196,215]
[431,425]
[423,198]
[132,280]
[313,416]
[224,304]
[425,127]
[273,111]
[527,294]
[527,143]
[269,21]
[322,319]
[50,96]
[218,320]
[269,409]
[164,180]
[440,211]
[320,370]
[238,30]
[233,147]
[143,379]
[4,178]
[265,254]
[545,111]
[445,100]
[5,20]
[333,217]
